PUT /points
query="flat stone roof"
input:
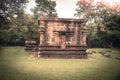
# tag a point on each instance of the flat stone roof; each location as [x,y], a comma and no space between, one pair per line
[62,19]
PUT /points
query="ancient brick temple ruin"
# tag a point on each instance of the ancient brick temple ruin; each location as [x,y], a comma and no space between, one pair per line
[62,38]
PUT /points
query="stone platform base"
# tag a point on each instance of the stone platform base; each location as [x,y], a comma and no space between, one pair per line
[58,52]
[64,56]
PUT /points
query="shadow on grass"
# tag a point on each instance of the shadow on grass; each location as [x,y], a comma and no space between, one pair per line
[15,65]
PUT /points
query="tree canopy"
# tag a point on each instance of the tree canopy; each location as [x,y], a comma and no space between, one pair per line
[16,26]
[103,22]
[10,12]
[45,8]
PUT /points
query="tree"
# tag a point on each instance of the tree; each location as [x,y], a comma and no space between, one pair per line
[112,24]
[9,10]
[103,22]
[45,8]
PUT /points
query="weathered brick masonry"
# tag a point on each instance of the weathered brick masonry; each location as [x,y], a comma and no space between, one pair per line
[62,38]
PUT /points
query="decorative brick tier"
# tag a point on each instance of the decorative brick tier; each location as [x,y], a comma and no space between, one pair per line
[31,45]
[57,52]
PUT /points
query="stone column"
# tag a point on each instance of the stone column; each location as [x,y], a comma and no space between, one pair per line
[71,39]
[71,27]
[75,34]
[56,40]
[41,32]
[41,38]
[46,33]
[83,35]
[78,34]
[84,39]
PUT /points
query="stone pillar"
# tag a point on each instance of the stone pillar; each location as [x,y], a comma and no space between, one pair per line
[78,34]
[41,38]
[83,35]
[58,39]
[75,34]
[41,32]
[46,39]
[84,39]
[71,39]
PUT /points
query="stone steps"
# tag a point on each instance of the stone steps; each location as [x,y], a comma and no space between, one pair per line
[47,49]
[64,56]
[62,52]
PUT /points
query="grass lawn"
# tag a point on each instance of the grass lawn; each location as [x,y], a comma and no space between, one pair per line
[16,64]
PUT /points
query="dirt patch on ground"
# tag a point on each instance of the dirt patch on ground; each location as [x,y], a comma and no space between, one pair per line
[32,56]
[23,51]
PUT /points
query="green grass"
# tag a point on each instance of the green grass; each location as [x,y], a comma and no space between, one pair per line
[15,64]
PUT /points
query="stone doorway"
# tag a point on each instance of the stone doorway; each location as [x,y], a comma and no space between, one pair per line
[63,40]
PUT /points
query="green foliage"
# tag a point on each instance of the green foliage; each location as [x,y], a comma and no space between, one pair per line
[103,23]
[45,8]
[15,25]
[9,11]
[11,8]
[23,26]
[84,10]
[113,30]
